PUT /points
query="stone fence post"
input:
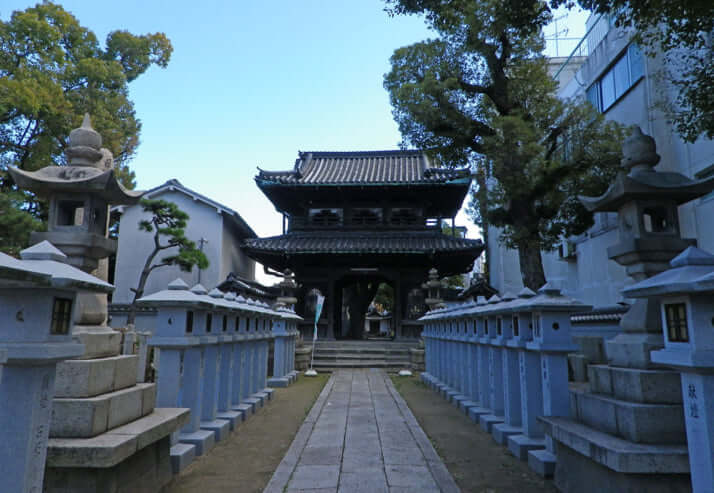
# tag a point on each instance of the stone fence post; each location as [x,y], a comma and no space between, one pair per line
[285,333]
[504,363]
[213,359]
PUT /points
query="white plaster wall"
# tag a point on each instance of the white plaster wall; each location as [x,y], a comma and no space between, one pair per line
[134,247]
[232,257]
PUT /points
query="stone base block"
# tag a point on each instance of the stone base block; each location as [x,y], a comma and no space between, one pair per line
[99,341]
[268,392]
[615,453]
[220,427]
[245,409]
[466,405]
[575,473]
[633,421]
[88,378]
[451,395]
[204,440]
[262,397]
[502,431]
[520,445]
[91,416]
[293,376]
[146,471]
[458,399]
[279,382]
[487,421]
[234,418]
[636,385]
[542,463]
[254,402]
[111,448]
[475,413]
[182,454]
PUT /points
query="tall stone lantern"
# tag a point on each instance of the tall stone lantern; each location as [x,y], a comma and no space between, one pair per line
[79,196]
[646,201]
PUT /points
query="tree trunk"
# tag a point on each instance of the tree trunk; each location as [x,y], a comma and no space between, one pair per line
[361,295]
[531,266]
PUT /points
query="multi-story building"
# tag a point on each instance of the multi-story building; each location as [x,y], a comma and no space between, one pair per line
[631,88]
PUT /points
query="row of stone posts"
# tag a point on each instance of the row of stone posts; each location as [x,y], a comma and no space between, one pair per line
[213,354]
[503,361]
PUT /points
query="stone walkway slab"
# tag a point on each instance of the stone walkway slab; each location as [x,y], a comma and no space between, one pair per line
[360,436]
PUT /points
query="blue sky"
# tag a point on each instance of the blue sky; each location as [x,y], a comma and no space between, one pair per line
[252,82]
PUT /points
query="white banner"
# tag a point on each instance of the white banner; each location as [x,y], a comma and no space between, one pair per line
[318,311]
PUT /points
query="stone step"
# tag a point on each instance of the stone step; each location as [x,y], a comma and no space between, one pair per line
[356,356]
[359,364]
[90,377]
[632,384]
[634,421]
[360,351]
[92,416]
[109,449]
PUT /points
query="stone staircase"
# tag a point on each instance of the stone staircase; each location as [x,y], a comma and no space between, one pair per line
[388,355]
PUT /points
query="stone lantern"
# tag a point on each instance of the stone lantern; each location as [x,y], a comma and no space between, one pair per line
[433,287]
[37,300]
[79,195]
[646,201]
[685,295]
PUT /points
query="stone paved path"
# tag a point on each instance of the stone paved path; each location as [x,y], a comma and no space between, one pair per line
[360,436]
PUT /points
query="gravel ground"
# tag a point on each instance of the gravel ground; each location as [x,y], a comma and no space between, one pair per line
[245,461]
[475,460]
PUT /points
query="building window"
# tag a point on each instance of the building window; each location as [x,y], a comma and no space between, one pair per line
[515,326]
[209,321]
[237,324]
[225,323]
[325,217]
[366,217]
[676,319]
[189,322]
[617,80]
[61,316]
[404,217]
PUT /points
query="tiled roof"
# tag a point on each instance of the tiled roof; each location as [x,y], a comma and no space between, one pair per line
[370,167]
[351,242]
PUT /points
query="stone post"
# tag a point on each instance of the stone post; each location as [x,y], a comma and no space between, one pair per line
[38,298]
[685,294]
[511,376]
[492,331]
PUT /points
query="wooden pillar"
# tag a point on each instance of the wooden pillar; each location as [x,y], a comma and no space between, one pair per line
[331,298]
[398,306]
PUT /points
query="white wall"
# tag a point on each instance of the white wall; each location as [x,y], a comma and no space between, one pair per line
[134,247]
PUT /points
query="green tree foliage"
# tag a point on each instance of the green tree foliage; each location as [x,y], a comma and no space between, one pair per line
[15,224]
[682,30]
[480,94]
[168,224]
[384,297]
[52,71]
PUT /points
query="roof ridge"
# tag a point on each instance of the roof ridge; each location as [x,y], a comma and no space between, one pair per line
[363,153]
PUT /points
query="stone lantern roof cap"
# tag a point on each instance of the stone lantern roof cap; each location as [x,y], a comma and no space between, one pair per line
[199,289]
[44,265]
[640,181]
[550,299]
[178,284]
[692,272]
[526,293]
[43,250]
[215,293]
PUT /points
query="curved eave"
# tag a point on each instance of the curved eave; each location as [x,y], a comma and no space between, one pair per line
[75,180]
[648,185]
